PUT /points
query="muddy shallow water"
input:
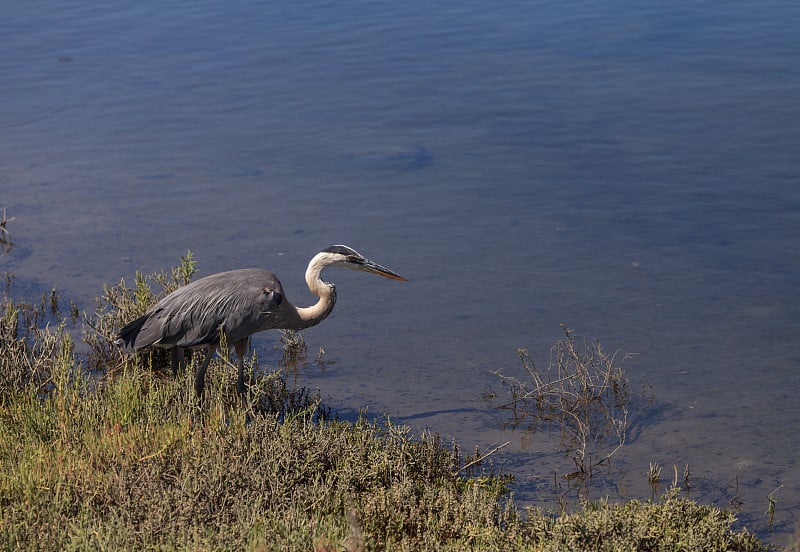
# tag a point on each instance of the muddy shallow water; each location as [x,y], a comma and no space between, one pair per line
[629,171]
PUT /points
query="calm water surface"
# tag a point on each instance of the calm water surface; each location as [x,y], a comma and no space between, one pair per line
[629,170]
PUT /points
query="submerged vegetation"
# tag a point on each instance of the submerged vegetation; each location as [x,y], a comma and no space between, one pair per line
[583,394]
[110,452]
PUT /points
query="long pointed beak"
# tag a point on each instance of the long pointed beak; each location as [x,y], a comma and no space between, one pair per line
[375,268]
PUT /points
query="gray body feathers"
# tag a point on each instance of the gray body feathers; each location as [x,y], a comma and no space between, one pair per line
[238,302]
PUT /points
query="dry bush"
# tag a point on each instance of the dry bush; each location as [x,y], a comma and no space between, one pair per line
[582,394]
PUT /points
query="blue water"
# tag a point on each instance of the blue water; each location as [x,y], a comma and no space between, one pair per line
[628,169]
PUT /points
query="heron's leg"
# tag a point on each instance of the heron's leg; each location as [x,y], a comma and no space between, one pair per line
[178,360]
[200,378]
[241,349]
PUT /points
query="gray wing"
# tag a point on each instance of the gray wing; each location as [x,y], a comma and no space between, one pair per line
[239,302]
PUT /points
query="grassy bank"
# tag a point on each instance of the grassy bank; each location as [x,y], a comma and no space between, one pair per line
[130,460]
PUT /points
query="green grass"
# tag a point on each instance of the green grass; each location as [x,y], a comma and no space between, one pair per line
[133,464]
[129,460]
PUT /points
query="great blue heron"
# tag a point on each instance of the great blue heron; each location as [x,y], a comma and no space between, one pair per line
[239,303]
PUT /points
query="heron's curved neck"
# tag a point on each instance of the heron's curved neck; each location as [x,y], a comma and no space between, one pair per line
[313,315]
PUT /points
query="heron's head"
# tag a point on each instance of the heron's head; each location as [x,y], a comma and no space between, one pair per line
[347,257]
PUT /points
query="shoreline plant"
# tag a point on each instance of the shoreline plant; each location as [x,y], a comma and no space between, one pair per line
[104,453]
[583,394]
